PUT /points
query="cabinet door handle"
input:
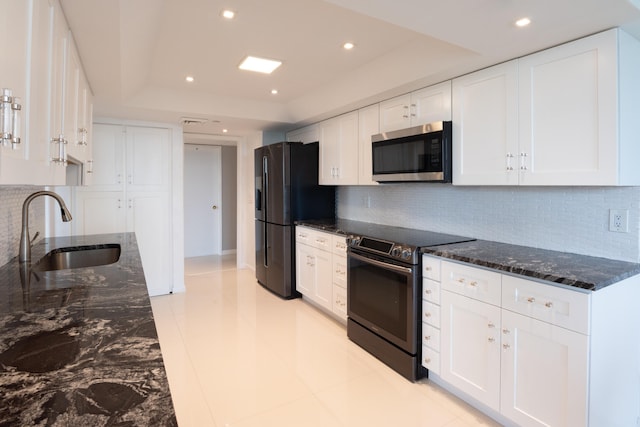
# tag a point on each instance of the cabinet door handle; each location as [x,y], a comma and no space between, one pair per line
[427,291]
[427,360]
[548,304]
[427,314]
[523,158]
[506,346]
[506,331]
[119,204]
[509,166]
[427,268]
[531,300]
[491,325]
[491,339]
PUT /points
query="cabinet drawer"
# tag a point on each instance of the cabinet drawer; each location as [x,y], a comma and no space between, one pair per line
[431,268]
[431,313]
[322,240]
[339,245]
[431,360]
[430,336]
[339,270]
[315,238]
[431,290]
[304,235]
[562,307]
[340,302]
[472,282]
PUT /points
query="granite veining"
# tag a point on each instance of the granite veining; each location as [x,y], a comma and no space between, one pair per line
[579,271]
[79,346]
[563,268]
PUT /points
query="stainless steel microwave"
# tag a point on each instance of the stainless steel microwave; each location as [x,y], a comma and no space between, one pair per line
[421,153]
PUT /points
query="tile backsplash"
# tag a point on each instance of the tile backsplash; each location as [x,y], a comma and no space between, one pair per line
[569,219]
[11,199]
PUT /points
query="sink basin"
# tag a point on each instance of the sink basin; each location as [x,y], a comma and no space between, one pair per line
[79,257]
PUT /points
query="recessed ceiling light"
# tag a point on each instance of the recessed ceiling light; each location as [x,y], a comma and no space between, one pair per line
[189,79]
[348,45]
[260,65]
[225,130]
[274,91]
[523,22]
[228,14]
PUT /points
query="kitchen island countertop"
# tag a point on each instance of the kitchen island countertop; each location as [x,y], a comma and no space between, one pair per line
[79,346]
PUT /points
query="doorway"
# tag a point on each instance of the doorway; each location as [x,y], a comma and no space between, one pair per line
[202,200]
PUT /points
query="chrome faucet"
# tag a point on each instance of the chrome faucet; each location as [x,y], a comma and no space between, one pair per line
[25,241]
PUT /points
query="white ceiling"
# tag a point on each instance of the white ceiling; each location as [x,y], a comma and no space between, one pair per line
[136,53]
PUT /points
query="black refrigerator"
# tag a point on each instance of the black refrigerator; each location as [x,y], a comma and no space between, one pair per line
[286,190]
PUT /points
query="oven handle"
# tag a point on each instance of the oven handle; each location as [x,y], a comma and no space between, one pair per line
[381,264]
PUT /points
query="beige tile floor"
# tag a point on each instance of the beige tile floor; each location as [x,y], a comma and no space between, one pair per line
[237,355]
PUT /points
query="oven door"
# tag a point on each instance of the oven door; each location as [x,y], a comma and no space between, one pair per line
[382,296]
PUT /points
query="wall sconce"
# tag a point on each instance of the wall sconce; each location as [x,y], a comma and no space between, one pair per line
[10,118]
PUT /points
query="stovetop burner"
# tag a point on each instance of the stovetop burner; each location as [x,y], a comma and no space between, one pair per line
[397,242]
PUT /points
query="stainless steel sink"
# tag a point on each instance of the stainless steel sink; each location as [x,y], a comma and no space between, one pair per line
[79,257]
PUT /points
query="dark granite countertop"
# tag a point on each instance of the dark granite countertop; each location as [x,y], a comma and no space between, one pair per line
[572,270]
[579,271]
[80,347]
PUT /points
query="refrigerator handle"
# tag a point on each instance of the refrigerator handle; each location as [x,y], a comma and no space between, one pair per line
[265,186]
[258,200]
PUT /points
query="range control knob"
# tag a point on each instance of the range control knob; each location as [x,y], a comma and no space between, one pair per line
[396,251]
[406,253]
[353,240]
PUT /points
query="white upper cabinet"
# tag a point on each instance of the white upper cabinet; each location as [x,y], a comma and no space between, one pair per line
[368,125]
[426,105]
[41,66]
[339,150]
[15,63]
[562,116]
[568,106]
[485,126]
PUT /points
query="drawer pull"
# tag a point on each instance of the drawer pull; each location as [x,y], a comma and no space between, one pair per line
[473,283]
[548,304]
[427,291]
[506,346]
[490,339]
[427,315]
[461,280]
[491,325]
[427,337]
[531,300]
[427,360]
[427,268]
[506,331]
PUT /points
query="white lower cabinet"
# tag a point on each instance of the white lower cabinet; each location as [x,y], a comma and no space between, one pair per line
[321,269]
[544,373]
[470,350]
[518,347]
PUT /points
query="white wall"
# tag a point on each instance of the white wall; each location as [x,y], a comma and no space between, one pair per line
[246,257]
[569,219]
[229,199]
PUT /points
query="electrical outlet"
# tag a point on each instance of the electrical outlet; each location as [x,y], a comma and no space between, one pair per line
[619,220]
